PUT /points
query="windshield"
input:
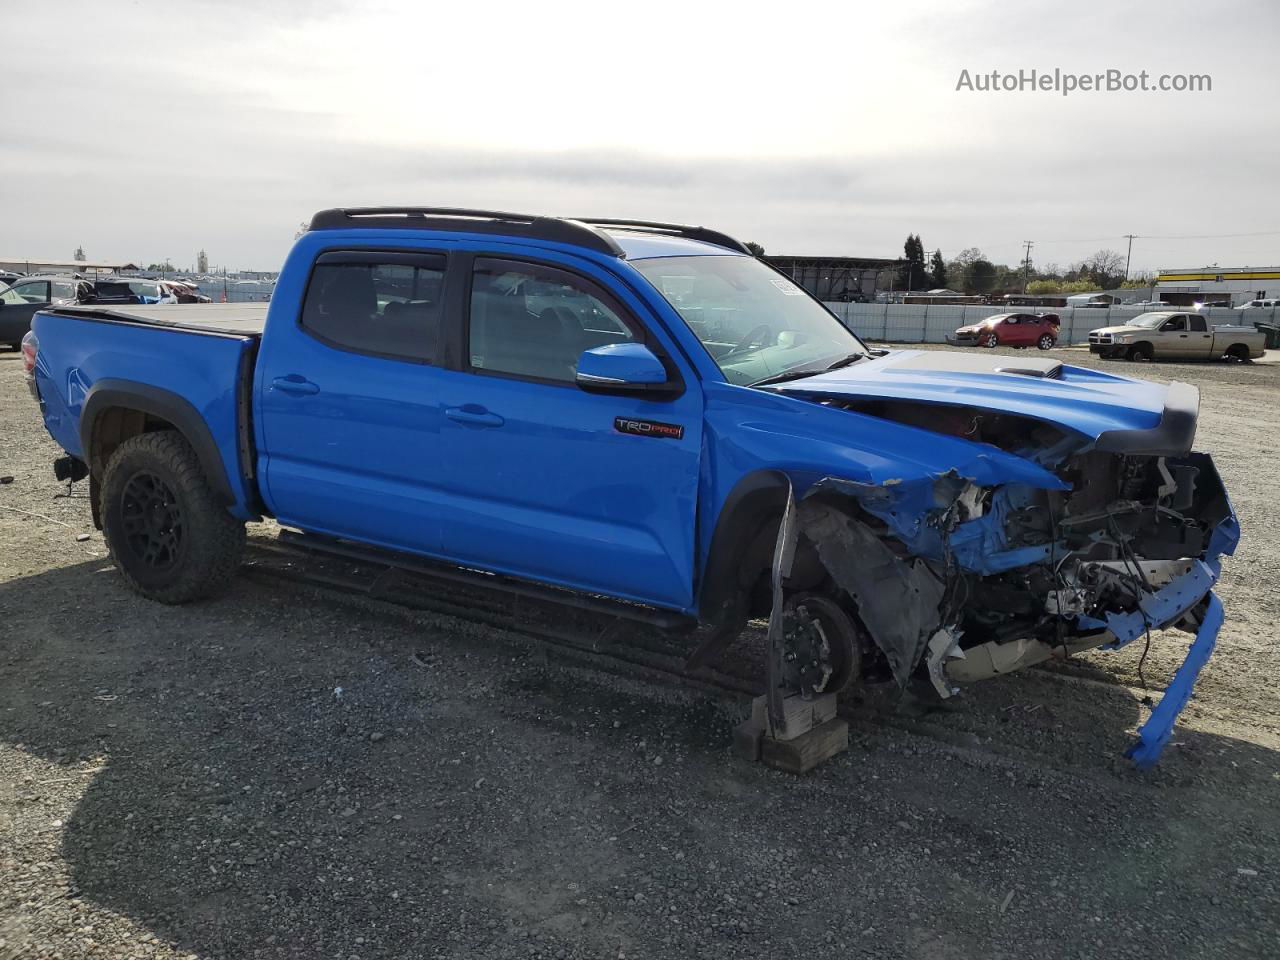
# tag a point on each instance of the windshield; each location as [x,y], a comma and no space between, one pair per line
[1148,321]
[753,321]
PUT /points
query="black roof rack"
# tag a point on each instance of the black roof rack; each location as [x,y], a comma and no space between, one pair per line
[480,221]
[714,237]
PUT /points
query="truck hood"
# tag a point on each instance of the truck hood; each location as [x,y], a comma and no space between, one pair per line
[1121,329]
[1116,413]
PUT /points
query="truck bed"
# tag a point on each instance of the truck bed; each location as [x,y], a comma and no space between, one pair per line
[239,319]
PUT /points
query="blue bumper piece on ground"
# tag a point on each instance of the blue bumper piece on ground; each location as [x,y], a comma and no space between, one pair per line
[1155,733]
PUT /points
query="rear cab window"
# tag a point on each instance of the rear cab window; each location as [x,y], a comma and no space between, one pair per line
[383,304]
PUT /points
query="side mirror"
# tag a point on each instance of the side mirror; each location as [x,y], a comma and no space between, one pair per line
[621,368]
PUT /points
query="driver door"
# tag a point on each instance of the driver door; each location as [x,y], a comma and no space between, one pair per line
[1175,338]
[547,481]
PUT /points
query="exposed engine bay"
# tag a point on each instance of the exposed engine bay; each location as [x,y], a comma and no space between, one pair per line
[947,581]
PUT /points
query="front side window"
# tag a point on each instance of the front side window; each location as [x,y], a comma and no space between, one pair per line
[64,290]
[388,307]
[755,323]
[534,321]
[1177,323]
[33,291]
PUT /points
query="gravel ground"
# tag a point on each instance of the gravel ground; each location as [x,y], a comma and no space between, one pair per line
[286,773]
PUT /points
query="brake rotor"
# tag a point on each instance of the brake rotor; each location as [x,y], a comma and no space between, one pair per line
[821,646]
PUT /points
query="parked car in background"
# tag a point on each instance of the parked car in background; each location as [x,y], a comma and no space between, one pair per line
[1010,330]
[184,291]
[8,279]
[114,291]
[148,291]
[1271,303]
[1167,335]
[20,301]
[1154,304]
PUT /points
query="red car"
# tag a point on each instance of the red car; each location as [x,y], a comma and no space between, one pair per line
[1010,330]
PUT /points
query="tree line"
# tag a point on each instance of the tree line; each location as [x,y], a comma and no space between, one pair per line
[971,272]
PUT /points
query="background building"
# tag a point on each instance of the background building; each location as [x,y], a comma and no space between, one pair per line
[1225,285]
[69,265]
[836,279]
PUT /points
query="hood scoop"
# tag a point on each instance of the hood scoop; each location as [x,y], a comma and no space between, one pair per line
[1054,372]
[952,361]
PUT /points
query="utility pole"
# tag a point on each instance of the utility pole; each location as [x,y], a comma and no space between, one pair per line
[1026,263]
[1128,256]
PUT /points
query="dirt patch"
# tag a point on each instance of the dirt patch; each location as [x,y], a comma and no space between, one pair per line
[282,773]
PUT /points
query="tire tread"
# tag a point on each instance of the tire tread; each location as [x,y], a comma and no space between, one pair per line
[216,539]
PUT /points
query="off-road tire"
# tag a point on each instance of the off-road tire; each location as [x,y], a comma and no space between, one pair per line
[1046,342]
[199,541]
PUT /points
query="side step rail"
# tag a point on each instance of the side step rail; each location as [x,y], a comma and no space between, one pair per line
[650,616]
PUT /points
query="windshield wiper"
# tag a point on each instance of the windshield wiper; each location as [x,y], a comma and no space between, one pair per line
[801,372]
[845,361]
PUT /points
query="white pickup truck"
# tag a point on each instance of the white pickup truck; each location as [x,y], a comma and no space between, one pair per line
[1169,335]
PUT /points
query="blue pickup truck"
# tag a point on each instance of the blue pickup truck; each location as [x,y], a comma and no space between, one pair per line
[648,416]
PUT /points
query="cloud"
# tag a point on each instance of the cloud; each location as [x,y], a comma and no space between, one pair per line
[193,124]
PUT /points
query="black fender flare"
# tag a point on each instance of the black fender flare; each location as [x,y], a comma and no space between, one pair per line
[110,393]
[754,499]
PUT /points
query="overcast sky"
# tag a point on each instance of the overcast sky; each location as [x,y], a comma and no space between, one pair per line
[148,130]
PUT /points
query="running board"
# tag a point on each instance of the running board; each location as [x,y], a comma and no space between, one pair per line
[638,613]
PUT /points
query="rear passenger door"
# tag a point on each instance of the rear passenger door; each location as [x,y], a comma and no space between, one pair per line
[1199,336]
[1022,330]
[546,480]
[349,401]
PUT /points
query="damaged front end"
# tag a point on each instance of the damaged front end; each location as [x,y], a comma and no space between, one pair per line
[955,576]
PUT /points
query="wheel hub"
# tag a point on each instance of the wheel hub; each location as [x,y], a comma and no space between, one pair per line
[821,651]
[152,520]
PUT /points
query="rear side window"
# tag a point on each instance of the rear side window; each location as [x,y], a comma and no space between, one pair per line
[535,321]
[389,306]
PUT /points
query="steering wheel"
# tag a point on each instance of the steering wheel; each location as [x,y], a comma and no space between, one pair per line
[754,334]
